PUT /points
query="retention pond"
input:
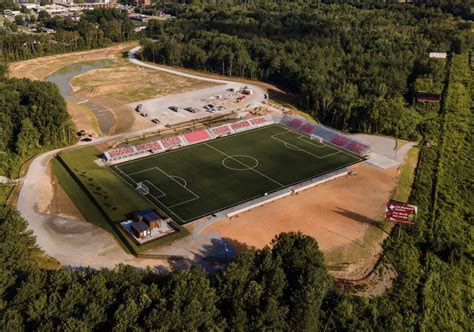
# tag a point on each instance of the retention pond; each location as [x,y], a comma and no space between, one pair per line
[62,77]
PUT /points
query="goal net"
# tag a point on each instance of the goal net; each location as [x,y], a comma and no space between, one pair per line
[142,188]
[317,138]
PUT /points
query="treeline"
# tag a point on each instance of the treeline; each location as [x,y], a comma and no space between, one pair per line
[97,28]
[279,287]
[33,117]
[352,68]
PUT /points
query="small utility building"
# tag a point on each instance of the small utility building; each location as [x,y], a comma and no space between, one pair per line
[140,229]
[150,218]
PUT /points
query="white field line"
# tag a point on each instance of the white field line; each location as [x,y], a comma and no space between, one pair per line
[163,194]
[301,149]
[145,196]
[171,177]
[243,164]
[338,148]
[313,143]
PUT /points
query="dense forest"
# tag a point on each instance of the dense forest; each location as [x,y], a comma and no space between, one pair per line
[351,68]
[96,28]
[33,117]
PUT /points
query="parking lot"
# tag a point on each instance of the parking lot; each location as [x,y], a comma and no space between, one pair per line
[196,104]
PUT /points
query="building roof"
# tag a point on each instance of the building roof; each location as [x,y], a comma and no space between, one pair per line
[151,216]
[426,97]
[140,227]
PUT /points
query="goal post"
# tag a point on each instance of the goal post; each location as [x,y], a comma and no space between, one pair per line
[317,138]
[142,188]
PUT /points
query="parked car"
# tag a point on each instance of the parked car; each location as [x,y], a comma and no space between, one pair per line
[144,114]
[86,139]
[174,108]
[138,108]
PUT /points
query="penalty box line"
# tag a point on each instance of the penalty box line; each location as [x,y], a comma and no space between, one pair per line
[156,203]
[243,164]
[301,149]
[196,196]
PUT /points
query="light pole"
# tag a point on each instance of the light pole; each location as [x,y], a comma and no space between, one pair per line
[226,251]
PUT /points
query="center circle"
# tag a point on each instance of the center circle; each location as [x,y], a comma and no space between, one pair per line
[240,162]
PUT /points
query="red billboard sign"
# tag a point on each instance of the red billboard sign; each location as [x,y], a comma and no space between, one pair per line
[400,212]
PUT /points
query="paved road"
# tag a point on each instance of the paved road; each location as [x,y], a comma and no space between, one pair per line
[77,243]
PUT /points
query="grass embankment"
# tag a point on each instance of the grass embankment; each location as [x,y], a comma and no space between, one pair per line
[82,202]
[103,198]
[114,195]
[407,176]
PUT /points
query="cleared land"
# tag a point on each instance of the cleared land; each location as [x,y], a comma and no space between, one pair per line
[342,215]
[112,87]
[129,83]
[204,178]
[39,68]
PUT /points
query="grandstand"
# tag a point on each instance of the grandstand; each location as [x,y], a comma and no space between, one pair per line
[306,127]
[153,146]
[172,142]
[197,136]
[221,130]
[241,125]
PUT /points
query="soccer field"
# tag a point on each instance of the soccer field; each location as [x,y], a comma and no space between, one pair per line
[198,180]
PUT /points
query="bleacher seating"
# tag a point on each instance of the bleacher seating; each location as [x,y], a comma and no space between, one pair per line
[357,147]
[340,140]
[327,134]
[286,119]
[172,142]
[295,123]
[259,120]
[221,130]
[197,136]
[308,128]
[120,152]
[151,146]
[240,125]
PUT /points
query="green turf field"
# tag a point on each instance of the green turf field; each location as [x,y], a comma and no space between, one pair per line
[204,178]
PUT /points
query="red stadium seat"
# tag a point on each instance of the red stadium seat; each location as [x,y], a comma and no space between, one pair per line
[197,136]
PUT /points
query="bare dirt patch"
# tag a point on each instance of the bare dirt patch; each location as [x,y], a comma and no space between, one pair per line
[83,118]
[129,83]
[342,215]
[39,68]
[54,200]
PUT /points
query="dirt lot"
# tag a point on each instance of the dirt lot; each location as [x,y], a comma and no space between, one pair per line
[129,83]
[343,215]
[39,68]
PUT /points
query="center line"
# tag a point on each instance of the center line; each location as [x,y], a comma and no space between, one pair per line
[243,164]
